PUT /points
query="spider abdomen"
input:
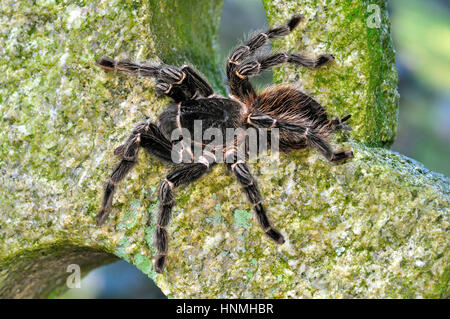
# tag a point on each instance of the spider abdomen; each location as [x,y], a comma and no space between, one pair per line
[291,105]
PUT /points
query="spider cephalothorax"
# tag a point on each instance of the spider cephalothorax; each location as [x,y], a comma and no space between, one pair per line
[299,119]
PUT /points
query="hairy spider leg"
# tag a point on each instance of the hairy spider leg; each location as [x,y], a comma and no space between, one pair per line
[146,135]
[250,187]
[180,84]
[254,67]
[185,175]
[295,136]
[240,86]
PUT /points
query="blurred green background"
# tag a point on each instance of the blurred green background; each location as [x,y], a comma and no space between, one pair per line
[421,32]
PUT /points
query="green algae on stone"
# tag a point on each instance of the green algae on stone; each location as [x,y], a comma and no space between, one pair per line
[362,80]
[197,41]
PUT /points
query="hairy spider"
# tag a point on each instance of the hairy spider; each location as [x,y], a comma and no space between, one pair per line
[300,121]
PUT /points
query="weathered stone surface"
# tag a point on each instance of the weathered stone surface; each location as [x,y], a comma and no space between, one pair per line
[374,227]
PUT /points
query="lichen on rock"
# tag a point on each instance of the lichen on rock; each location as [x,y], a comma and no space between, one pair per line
[376,226]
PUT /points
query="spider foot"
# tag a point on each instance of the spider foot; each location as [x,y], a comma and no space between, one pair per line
[107,63]
[159,263]
[101,217]
[275,235]
[323,59]
[294,21]
[341,156]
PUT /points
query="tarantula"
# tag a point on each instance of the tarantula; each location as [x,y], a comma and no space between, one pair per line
[301,122]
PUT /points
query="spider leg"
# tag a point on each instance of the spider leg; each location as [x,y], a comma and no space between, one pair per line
[255,67]
[315,140]
[239,85]
[248,182]
[185,175]
[146,135]
[294,136]
[181,84]
[244,51]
